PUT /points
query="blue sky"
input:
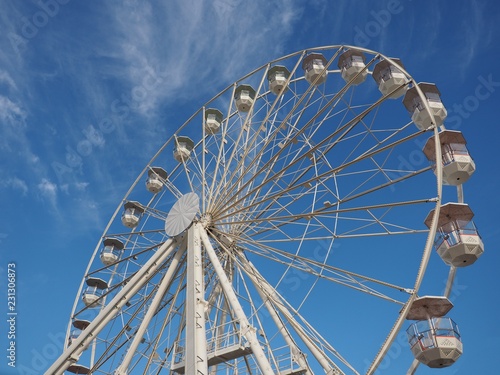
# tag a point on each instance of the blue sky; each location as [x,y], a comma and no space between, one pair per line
[67,67]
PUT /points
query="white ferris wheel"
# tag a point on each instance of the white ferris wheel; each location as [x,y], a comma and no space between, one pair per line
[278,224]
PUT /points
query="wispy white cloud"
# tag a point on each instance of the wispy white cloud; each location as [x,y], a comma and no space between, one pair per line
[11,51]
[14,142]
[48,191]
[11,113]
[12,126]
[467,35]
[6,78]
[163,46]
[472,28]
[81,186]
[17,184]
[15,100]
[154,54]
[75,186]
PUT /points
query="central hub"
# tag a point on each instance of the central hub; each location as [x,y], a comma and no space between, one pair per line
[206,220]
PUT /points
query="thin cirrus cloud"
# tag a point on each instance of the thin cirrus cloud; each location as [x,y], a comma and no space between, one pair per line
[16,183]
[6,79]
[472,34]
[166,41]
[11,113]
[467,34]
[163,46]
[13,142]
[48,190]
[17,152]
[170,41]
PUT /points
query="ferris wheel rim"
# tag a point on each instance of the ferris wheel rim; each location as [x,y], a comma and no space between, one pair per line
[172,139]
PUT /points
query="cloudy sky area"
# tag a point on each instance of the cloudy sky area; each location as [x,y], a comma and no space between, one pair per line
[89,90]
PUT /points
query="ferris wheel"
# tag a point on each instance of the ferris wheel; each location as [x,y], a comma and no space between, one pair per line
[284,228]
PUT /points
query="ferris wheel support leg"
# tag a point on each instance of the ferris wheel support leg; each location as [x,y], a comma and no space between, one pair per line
[165,284]
[248,331]
[196,340]
[271,295]
[297,354]
[223,319]
[74,351]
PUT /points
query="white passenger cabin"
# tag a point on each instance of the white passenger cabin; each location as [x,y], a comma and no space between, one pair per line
[95,290]
[434,339]
[244,96]
[156,179]
[213,120]
[458,165]
[132,214]
[352,66]
[183,148]
[314,68]
[277,77]
[390,79]
[111,251]
[78,326]
[457,241]
[435,342]
[414,104]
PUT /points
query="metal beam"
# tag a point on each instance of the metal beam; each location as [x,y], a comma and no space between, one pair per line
[165,284]
[196,340]
[272,296]
[298,356]
[73,352]
[247,329]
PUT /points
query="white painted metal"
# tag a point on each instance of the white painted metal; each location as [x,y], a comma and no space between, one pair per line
[182,214]
[196,350]
[298,356]
[425,258]
[271,186]
[162,289]
[449,281]
[248,330]
[73,352]
[271,295]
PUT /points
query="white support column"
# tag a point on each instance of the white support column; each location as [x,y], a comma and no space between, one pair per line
[196,340]
[219,330]
[160,293]
[247,330]
[74,351]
